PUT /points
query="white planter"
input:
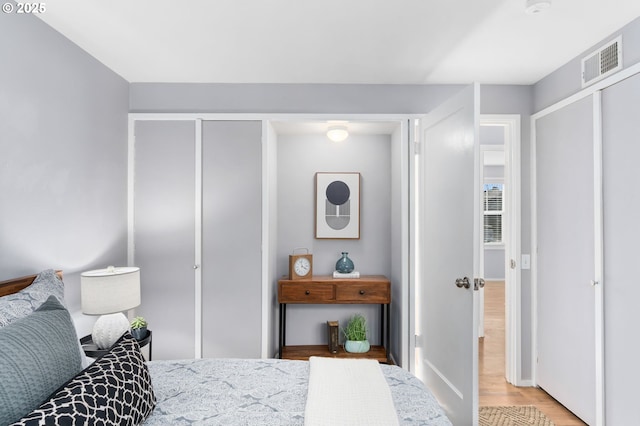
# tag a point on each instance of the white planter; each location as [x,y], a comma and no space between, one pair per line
[357,346]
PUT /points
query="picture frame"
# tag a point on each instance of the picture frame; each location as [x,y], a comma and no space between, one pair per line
[337,205]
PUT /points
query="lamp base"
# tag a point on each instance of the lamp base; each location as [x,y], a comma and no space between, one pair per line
[108,329]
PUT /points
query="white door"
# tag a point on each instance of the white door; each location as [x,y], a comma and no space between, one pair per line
[621,132]
[448,225]
[566,366]
[164,200]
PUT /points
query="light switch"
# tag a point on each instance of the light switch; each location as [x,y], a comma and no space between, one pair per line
[526,261]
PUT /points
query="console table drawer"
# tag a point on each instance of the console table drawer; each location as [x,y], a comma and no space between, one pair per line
[362,293]
[306,293]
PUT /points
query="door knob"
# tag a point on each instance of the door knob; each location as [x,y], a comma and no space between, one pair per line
[463,282]
[478,283]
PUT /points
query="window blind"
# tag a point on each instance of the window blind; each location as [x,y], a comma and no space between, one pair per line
[493,210]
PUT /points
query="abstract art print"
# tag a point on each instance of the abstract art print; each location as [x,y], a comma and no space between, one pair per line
[338,205]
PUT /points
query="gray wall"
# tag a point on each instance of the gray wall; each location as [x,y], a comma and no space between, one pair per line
[299,158]
[566,80]
[63,157]
[288,98]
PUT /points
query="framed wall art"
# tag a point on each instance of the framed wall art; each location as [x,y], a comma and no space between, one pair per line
[338,205]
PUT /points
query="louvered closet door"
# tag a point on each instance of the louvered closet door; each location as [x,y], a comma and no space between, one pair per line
[231,239]
[565,217]
[164,223]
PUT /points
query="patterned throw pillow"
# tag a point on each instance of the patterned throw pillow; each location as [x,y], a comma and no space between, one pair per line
[114,390]
[19,305]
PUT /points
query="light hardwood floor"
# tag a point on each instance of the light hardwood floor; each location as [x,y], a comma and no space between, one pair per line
[493,388]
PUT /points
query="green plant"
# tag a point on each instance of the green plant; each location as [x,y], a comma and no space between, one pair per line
[356,328]
[138,322]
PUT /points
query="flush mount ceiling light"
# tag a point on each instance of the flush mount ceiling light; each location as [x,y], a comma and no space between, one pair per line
[536,6]
[337,132]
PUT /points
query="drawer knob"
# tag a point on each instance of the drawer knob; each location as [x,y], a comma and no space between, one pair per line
[361,291]
[307,292]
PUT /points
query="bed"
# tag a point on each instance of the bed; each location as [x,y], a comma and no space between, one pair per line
[122,388]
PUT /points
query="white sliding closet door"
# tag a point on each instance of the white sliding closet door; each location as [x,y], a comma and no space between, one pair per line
[565,258]
[164,223]
[621,151]
[231,239]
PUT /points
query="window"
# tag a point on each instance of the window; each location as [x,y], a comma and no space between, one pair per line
[493,212]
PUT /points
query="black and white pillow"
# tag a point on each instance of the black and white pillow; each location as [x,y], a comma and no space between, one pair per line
[114,390]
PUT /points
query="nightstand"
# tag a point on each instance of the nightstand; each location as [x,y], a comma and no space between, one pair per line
[91,350]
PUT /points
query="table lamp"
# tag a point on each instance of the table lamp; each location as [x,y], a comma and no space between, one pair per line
[108,292]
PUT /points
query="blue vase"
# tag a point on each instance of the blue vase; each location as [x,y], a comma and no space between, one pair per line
[344,265]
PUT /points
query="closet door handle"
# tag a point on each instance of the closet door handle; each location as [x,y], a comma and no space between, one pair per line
[196,266]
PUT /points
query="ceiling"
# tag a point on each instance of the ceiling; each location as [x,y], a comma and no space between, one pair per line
[336,41]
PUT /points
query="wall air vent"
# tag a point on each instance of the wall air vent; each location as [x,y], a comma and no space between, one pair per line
[603,62]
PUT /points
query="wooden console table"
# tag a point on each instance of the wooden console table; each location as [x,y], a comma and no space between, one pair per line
[373,289]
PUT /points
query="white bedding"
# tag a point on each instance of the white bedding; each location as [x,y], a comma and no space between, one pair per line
[348,392]
[264,392]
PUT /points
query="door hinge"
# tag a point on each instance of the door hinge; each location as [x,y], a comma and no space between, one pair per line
[416,148]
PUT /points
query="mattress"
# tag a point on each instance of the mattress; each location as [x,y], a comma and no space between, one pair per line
[263,392]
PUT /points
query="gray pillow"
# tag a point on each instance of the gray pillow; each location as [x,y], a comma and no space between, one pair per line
[20,304]
[38,354]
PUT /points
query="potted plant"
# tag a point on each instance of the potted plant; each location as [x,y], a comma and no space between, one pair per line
[139,328]
[355,334]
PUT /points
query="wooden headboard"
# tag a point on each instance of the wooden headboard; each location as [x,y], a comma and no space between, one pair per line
[14,285]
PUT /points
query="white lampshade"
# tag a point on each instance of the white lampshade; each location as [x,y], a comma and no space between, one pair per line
[110,291]
[106,291]
[337,133]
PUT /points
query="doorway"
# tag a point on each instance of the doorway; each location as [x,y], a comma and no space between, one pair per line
[501,243]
